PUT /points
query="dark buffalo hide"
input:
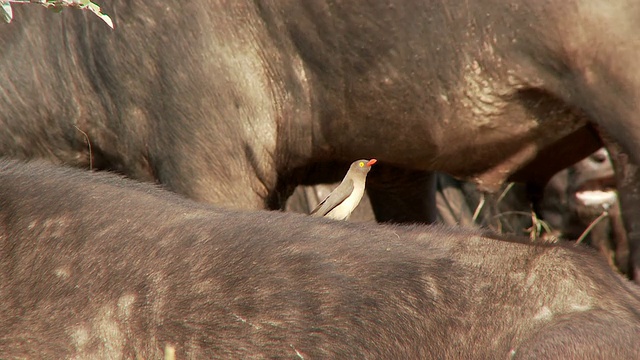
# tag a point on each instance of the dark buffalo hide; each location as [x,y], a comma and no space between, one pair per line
[96,266]
[236,103]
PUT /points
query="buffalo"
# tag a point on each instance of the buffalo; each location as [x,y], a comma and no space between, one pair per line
[580,202]
[93,265]
[237,103]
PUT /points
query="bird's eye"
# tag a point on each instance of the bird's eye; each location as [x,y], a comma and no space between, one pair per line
[361,164]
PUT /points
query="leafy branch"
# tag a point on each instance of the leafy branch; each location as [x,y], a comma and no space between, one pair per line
[57,6]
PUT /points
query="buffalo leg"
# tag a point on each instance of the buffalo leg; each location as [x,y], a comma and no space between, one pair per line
[620,239]
[402,196]
[628,183]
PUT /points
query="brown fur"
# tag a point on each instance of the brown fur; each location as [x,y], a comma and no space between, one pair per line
[236,103]
[95,266]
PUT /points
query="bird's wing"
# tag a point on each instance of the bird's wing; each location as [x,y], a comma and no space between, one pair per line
[334,199]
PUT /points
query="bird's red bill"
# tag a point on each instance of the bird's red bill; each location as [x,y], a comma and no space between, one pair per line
[371,162]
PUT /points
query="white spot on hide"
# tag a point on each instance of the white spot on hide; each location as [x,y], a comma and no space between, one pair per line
[124,305]
[580,307]
[169,352]
[80,337]
[544,314]
[108,331]
[62,272]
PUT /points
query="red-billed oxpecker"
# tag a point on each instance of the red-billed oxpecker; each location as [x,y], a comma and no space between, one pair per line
[341,202]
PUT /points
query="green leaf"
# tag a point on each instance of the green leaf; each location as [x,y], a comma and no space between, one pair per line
[106,19]
[94,8]
[56,6]
[5,10]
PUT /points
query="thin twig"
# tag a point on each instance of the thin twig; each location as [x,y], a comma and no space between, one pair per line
[546,226]
[591,226]
[535,226]
[534,219]
[513,212]
[478,208]
[297,352]
[504,192]
[88,143]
